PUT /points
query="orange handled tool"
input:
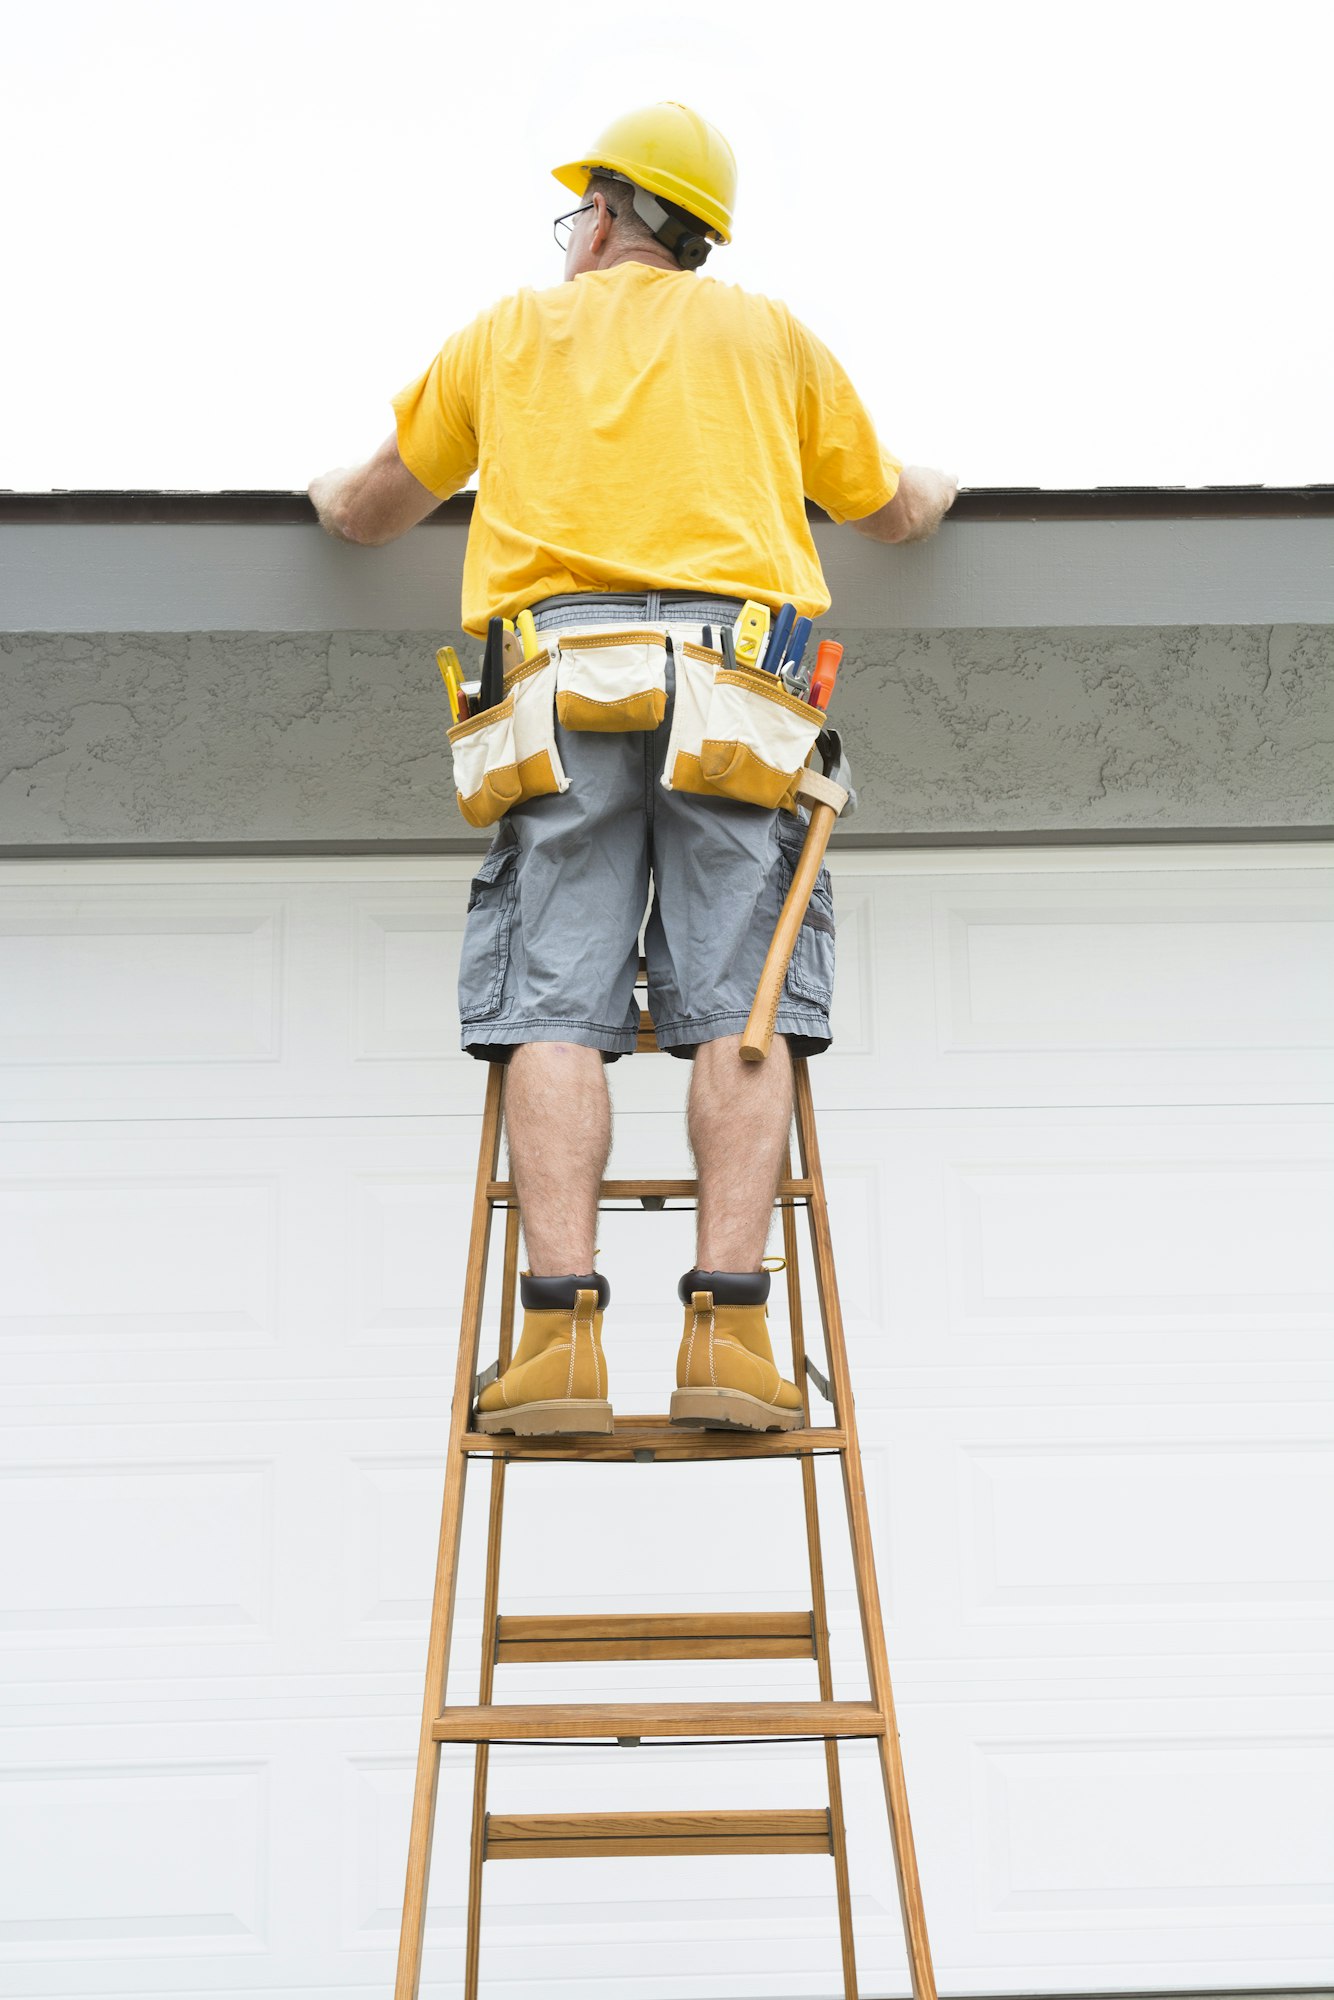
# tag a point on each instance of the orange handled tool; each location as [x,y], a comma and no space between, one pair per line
[826,667]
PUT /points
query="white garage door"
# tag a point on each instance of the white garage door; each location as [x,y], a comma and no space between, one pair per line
[1080,1168]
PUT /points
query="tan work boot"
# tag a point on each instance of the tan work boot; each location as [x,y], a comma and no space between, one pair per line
[557,1381]
[726,1375]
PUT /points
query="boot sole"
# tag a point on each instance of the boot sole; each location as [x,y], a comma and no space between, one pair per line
[559,1417]
[730,1410]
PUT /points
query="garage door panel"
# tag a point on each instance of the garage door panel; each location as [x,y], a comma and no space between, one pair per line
[223,990]
[130,976]
[227,1249]
[1057,979]
[407,1245]
[1107,1538]
[1182,1242]
[129,1257]
[1140,1838]
[405,969]
[1144,1241]
[141,1858]
[136,1549]
[1163,965]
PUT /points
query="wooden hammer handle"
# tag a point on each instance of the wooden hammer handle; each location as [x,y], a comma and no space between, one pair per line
[756,1041]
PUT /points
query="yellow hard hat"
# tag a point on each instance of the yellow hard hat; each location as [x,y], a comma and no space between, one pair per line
[675,154]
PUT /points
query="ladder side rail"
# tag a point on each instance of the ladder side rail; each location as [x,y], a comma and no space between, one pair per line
[859,1527]
[819,1614]
[490,1628]
[421,1829]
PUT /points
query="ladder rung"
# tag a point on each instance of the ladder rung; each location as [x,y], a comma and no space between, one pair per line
[559,1722]
[549,1836]
[730,1635]
[636,1190]
[655,1437]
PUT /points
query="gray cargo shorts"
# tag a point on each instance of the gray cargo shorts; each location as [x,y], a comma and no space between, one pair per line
[551,943]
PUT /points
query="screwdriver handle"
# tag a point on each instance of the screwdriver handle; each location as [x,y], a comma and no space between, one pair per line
[827,661]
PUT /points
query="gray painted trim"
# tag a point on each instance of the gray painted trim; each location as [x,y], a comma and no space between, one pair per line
[150,577]
[204,850]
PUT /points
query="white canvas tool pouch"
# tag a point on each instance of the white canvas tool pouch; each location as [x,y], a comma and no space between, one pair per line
[757,737]
[508,753]
[486,774]
[741,737]
[612,680]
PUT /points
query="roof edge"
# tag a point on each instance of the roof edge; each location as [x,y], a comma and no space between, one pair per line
[983,503]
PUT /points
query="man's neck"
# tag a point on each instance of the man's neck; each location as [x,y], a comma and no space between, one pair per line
[659,260]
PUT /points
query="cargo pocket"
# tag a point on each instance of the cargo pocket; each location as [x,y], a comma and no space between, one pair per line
[810,975]
[612,681]
[695,670]
[757,738]
[484,959]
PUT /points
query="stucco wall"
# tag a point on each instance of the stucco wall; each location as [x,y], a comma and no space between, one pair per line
[243,737]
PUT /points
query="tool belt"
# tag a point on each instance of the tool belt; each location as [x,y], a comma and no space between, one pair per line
[736,733]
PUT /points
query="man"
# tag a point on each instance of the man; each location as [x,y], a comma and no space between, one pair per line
[645,439]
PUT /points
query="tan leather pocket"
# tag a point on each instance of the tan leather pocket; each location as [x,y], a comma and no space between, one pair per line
[611,681]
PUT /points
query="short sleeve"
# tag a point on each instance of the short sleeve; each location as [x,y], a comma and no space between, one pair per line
[845,468]
[436,416]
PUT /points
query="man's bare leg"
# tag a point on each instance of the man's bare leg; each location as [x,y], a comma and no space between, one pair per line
[558,1123]
[739,1117]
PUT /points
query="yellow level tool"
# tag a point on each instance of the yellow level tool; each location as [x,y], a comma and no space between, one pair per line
[750,632]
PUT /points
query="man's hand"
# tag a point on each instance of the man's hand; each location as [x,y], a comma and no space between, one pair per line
[923,499]
[372,503]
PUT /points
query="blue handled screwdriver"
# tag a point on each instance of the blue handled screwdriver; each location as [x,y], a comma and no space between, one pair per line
[778,638]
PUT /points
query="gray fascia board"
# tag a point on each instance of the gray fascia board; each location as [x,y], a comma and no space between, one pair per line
[288,577]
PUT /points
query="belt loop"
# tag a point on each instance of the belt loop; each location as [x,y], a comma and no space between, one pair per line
[654,611]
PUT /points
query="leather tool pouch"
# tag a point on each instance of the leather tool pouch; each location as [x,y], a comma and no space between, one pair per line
[612,680]
[508,753]
[754,737]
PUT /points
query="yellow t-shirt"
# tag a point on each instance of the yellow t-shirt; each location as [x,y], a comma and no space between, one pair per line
[641,428]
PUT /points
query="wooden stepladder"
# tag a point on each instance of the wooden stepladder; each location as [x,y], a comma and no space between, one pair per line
[735,1636]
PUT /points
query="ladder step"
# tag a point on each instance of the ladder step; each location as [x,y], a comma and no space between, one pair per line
[720,1635]
[671,1190]
[655,1437]
[551,1836]
[558,1722]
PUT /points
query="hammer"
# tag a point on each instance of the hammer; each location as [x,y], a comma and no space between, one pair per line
[826,800]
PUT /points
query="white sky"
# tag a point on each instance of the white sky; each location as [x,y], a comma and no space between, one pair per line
[1063,244]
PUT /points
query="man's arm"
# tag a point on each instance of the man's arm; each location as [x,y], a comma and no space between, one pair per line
[372,503]
[923,499]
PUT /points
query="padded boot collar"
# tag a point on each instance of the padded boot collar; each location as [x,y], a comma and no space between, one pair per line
[729,1288]
[557,1294]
